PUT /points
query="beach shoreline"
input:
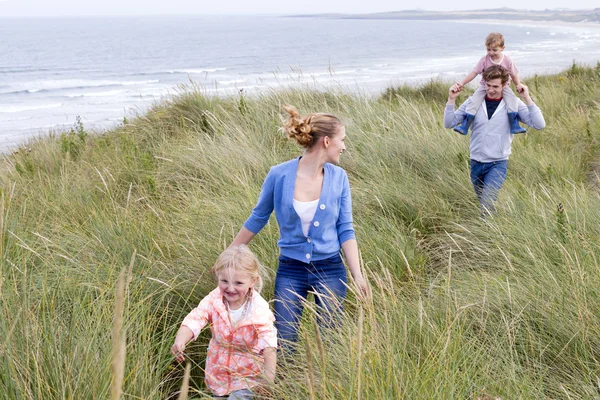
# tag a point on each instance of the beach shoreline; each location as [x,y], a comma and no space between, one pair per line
[529,22]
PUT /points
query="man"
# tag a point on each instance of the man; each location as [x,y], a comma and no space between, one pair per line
[490,133]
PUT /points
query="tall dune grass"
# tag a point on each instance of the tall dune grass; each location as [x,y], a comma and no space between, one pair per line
[462,308]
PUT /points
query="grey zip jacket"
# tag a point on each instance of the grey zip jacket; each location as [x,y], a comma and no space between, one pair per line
[491,138]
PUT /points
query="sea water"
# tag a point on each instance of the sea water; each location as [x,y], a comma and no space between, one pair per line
[53,70]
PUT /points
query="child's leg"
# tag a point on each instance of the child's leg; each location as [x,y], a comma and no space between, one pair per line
[476,100]
[471,109]
[512,106]
[510,99]
[242,394]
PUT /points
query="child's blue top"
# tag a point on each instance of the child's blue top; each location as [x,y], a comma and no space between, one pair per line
[331,225]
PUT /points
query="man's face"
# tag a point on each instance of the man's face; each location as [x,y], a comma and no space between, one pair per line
[493,88]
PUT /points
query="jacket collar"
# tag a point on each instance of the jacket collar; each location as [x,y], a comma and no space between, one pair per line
[501,106]
[257,316]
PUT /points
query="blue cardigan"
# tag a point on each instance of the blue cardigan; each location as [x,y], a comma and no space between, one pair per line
[331,225]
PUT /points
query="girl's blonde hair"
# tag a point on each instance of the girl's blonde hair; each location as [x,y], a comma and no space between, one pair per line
[308,130]
[240,258]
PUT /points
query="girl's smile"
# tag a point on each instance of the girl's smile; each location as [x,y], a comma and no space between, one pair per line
[234,286]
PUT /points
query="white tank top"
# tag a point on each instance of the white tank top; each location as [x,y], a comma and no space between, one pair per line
[306,211]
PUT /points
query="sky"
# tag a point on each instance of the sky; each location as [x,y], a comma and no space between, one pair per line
[188,7]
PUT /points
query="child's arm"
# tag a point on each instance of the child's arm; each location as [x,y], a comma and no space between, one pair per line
[517,81]
[514,74]
[191,326]
[270,356]
[184,335]
[468,78]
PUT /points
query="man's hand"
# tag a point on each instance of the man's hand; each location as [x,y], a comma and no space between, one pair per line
[524,94]
[454,92]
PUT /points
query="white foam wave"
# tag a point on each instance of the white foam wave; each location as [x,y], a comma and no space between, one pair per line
[232,82]
[96,94]
[333,72]
[195,70]
[5,108]
[61,84]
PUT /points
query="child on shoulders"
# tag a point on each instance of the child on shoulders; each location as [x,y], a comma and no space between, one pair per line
[494,44]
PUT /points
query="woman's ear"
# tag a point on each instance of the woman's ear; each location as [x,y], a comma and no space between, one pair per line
[326,141]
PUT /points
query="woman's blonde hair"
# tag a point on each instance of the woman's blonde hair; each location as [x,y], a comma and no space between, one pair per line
[308,130]
[240,258]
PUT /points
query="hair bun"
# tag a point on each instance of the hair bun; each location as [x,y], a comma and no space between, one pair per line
[298,128]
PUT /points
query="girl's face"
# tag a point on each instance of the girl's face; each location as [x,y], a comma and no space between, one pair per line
[336,145]
[234,286]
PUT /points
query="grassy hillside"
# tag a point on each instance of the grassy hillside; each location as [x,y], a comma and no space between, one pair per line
[462,308]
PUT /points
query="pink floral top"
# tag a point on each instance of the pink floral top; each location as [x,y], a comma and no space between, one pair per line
[234,359]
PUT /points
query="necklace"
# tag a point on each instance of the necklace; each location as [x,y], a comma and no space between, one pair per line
[244,307]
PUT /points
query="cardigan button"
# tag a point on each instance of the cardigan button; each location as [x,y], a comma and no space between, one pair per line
[307,256]
[322,206]
[308,239]
[316,223]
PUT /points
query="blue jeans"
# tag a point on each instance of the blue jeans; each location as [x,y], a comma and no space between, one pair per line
[487,179]
[325,278]
[242,394]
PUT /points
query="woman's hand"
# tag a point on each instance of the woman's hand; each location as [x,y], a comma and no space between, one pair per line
[363,287]
[350,248]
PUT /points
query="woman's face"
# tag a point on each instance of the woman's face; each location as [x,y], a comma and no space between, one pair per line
[336,145]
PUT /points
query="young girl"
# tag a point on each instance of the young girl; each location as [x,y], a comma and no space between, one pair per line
[494,44]
[242,351]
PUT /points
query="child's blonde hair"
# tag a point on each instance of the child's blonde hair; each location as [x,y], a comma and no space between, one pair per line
[494,38]
[240,258]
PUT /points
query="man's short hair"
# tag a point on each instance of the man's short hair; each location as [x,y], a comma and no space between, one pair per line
[495,72]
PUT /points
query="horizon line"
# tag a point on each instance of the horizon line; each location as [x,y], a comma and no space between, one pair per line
[285,14]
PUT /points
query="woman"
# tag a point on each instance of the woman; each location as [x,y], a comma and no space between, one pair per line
[313,207]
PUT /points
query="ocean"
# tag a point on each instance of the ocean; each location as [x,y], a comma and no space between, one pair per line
[53,70]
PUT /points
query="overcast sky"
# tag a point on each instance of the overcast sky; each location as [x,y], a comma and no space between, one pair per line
[187,7]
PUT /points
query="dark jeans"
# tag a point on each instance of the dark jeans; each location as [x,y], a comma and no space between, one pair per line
[325,278]
[487,179]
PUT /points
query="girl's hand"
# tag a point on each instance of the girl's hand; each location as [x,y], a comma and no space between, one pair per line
[184,335]
[177,350]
